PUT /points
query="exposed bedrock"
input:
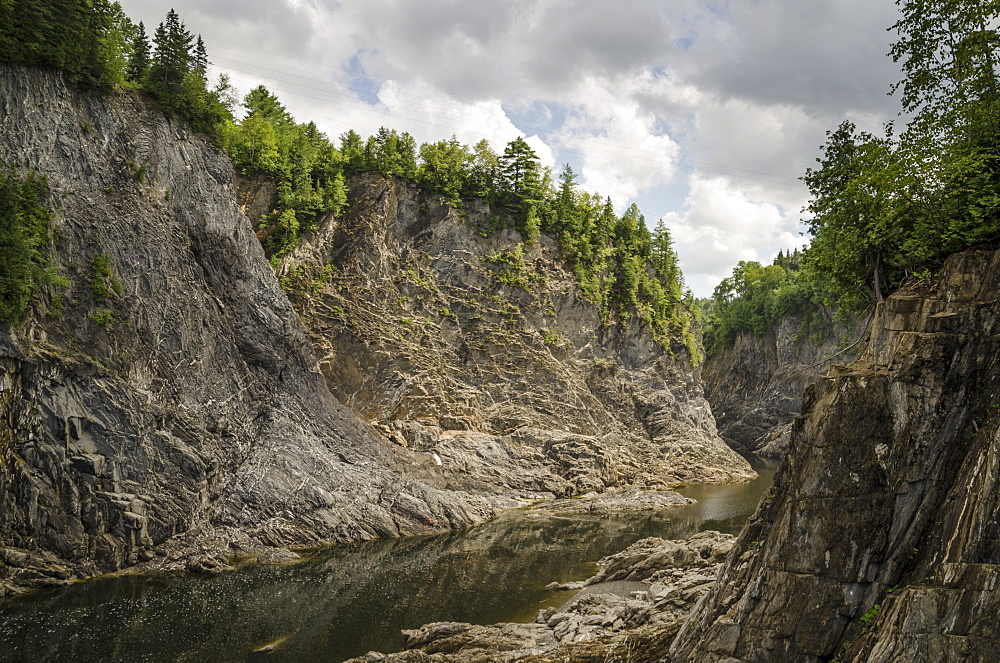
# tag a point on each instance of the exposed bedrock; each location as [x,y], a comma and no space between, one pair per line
[880,540]
[755,386]
[189,404]
[458,340]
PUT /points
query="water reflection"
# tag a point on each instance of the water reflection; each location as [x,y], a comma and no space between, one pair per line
[346,600]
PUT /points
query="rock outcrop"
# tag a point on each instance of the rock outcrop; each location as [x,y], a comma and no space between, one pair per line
[879,540]
[167,408]
[457,339]
[639,594]
[183,398]
[755,386]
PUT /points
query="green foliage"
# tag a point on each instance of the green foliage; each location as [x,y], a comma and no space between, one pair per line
[139,56]
[885,208]
[25,234]
[97,46]
[86,39]
[104,283]
[755,297]
[305,164]
[868,619]
[446,167]
[102,317]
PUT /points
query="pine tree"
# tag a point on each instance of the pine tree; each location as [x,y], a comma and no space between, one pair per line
[352,151]
[171,62]
[138,61]
[201,58]
[520,177]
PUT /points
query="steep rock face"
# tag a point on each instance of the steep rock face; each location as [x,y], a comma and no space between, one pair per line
[755,386]
[460,341]
[190,403]
[880,540]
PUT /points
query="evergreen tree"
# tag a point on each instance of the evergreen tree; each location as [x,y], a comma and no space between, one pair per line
[484,173]
[139,56]
[200,58]
[24,237]
[261,103]
[445,167]
[520,177]
[352,149]
[171,63]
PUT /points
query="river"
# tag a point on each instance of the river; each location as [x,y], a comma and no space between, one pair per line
[346,600]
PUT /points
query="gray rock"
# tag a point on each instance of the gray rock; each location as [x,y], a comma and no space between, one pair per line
[498,368]
[879,539]
[602,617]
[755,386]
[196,416]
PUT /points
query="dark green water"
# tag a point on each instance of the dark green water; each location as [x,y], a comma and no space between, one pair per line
[347,600]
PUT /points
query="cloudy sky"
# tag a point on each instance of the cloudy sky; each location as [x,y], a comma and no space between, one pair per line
[704,112]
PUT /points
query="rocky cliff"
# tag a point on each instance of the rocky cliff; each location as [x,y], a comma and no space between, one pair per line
[182,398]
[167,407]
[755,386]
[879,540]
[457,339]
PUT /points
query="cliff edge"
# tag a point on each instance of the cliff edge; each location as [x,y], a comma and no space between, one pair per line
[879,540]
[180,402]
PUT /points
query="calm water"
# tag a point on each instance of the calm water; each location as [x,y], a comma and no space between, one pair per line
[347,600]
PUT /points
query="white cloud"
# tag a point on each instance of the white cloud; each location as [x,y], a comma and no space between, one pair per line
[722,223]
[621,148]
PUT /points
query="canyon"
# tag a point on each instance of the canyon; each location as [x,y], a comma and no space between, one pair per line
[410,369]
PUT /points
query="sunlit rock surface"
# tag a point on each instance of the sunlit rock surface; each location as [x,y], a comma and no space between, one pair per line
[430,325]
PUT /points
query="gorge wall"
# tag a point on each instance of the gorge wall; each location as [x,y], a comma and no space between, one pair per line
[456,338]
[755,385]
[190,403]
[178,414]
[879,540]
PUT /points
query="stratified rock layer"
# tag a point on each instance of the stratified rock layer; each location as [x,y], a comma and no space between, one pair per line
[190,403]
[755,386]
[457,339]
[880,540]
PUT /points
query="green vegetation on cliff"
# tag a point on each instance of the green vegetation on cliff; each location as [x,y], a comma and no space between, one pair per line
[25,235]
[98,47]
[626,270]
[621,266]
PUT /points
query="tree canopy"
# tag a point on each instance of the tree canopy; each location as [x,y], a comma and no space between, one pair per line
[886,207]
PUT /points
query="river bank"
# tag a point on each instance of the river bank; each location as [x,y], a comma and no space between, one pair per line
[346,600]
